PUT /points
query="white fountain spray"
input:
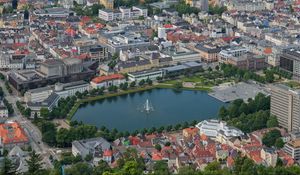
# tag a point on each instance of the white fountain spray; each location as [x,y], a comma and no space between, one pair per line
[148,107]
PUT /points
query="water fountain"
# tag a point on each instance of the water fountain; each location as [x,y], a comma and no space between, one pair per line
[147,107]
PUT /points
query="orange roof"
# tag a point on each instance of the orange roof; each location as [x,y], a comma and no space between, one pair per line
[70,31]
[85,19]
[156,156]
[203,137]
[101,79]
[12,133]
[230,161]
[268,50]
[191,130]
[168,26]
[108,153]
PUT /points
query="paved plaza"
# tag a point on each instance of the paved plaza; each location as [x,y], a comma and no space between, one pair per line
[229,92]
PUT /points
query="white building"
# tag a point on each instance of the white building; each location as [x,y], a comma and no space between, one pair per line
[144,75]
[123,13]
[107,81]
[3,111]
[224,55]
[292,148]
[212,128]
[62,90]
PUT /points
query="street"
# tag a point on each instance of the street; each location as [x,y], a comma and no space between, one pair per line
[33,133]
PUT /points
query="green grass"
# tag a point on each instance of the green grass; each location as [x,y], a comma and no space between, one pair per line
[193,79]
[293,84]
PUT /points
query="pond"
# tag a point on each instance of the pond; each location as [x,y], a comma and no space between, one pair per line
[166,107]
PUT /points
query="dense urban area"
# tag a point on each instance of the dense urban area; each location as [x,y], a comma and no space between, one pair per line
[67,65]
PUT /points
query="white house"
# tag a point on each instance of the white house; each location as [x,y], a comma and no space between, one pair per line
[108,80]
[212,128]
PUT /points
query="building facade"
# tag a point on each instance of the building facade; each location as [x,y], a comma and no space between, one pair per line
[285,105]
[290,62]
[107,81]
[123,13]
[292,148]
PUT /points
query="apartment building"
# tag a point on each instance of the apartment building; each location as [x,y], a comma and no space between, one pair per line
[285,105]
[122,13]
[292,148]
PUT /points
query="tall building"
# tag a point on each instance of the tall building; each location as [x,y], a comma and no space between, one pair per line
[290,62]
[108,4]
[285,105]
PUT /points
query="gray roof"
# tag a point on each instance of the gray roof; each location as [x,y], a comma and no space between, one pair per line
[88,145]
[208,49]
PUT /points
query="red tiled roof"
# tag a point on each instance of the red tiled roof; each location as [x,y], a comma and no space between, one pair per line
[268,50]
[156,156]
[12,133]
[108,153]
[230,161]
[101,79]
[134,140]
[168,26]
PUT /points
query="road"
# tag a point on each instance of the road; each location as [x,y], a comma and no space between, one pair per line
[33,133]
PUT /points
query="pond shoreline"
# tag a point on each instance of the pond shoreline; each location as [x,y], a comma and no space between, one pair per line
[129,91]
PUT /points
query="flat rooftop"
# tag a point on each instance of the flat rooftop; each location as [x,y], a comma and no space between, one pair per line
[228,92]
[295,143]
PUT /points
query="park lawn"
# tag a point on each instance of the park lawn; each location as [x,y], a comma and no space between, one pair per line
[193,79]
[171,82]
[293,84]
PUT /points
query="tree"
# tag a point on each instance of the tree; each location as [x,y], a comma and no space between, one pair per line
[49,137]
[34,163]
[101,168]
[78,95]
[269,138]
[141,83]
[177,85]
[161,168]
[186,170]
[279,143]
[88,157]
[8,167]
[80,168]
[272,122]
[269,77]
[149,82]
[222,113]
[27,112]
[44,112]
[158,147]
[131,168]
[132,84]
[213,166]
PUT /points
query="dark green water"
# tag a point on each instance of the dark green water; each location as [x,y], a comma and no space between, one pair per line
[170,107]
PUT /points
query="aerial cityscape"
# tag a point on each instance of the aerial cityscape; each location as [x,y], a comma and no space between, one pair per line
[159,87]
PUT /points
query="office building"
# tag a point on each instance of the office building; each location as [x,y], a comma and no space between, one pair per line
[285,105]
[63,90]
[290,62]
[123,13]
[144,75]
